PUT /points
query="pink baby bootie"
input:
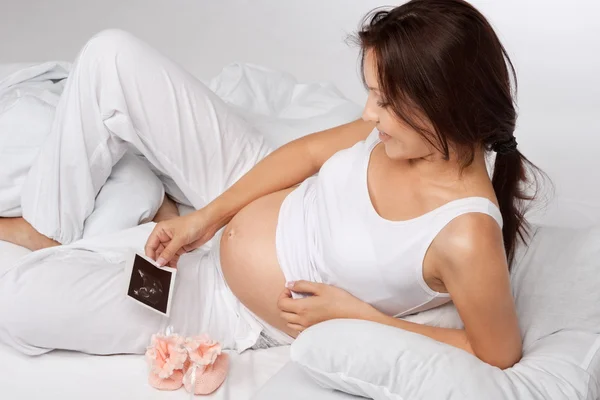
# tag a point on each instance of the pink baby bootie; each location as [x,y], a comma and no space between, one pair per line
[207,367]
[166,357]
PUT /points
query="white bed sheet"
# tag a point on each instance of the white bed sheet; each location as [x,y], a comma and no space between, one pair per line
[69,375]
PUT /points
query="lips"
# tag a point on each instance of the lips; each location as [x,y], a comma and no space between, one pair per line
[383,136]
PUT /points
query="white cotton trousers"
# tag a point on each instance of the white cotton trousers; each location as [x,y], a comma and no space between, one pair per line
[123,95]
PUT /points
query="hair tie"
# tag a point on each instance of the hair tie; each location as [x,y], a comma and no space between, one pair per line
[505,146]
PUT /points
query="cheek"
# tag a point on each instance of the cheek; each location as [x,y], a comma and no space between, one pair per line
[405,144]
[398,129]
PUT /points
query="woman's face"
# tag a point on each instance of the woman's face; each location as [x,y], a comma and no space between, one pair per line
[400,140]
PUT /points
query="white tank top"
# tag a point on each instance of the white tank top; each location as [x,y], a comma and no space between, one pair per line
[329,232]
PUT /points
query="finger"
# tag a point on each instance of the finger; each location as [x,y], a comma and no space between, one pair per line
[194,245]
[158,236]
[290,318]
[174,261]
[296,327]
[285,294]
[152,243]
[304,287]
[286,304]
[160,249]
[169,252]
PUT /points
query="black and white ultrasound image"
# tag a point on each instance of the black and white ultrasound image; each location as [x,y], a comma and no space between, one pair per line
[150,285]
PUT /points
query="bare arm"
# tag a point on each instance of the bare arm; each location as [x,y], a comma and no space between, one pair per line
[472,266]
[476,275]
[285,167]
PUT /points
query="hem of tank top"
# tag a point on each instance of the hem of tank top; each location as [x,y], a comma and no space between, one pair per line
[278,234]
[412,309]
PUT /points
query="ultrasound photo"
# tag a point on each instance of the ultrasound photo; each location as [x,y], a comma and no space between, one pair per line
[150,285]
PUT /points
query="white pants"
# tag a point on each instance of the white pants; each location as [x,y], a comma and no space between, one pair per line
[121,95]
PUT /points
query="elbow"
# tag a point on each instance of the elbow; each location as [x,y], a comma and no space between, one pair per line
[501,358]
[505,361]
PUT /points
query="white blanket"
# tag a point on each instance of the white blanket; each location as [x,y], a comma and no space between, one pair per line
[29,94]
[274,102]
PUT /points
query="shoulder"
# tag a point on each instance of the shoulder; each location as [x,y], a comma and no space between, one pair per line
[472,239]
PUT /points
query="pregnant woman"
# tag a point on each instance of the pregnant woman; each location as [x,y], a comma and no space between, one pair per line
[382,217]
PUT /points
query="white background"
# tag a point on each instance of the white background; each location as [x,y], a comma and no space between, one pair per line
[555,46]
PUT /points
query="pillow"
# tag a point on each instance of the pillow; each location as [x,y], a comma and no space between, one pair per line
[555,285]
[292,383]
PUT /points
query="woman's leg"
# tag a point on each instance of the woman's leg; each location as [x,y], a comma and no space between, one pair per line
[73,298]
[20,232]
[122,93]
[132,195]
[168,210]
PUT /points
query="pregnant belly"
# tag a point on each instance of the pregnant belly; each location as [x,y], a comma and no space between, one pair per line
[249,259]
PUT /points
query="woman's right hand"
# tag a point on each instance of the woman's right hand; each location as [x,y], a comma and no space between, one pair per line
[174,237]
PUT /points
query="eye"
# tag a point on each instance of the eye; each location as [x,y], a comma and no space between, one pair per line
[382,103]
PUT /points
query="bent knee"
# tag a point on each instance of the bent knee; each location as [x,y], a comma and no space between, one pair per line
[113,38]
[109,42]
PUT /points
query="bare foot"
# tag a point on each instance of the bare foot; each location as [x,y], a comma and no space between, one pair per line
[167,210]
[20,232]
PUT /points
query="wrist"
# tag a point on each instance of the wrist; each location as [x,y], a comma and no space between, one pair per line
[217,214]
[370,313]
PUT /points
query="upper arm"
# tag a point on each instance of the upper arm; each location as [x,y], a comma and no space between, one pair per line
[475,273]
[322,145]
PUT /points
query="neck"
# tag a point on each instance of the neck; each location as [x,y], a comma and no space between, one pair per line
[435,168]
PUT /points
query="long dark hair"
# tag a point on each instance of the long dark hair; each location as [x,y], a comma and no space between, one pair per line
[444,58]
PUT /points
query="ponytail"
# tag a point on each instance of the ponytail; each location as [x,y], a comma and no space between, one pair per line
[510,182]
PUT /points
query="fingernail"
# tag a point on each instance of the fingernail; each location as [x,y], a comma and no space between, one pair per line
[161,261]
[289,284]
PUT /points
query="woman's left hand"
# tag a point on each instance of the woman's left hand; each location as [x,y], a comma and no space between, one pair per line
[324,303]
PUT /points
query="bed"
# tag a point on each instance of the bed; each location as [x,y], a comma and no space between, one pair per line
[305,59]
[28,95]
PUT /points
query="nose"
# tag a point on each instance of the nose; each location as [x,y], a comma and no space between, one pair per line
[369,114]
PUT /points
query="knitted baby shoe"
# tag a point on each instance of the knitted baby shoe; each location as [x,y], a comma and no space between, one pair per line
[208,378]
[166,357]
[207,366]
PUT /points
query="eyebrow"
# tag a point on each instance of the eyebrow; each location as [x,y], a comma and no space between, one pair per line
[372,88]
